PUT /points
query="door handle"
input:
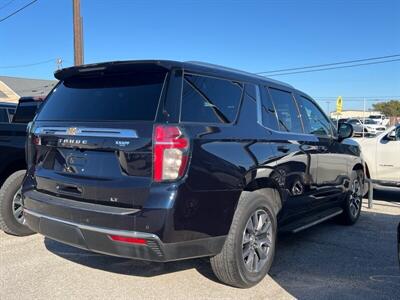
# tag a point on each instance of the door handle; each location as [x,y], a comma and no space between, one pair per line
[283,149]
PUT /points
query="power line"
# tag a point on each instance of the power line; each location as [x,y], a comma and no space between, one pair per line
[28,65]
[330,64]
[7,4]
[17,11]
[334,68]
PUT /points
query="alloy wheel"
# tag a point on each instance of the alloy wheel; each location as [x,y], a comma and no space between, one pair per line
[17,207]
[355,198]
[257,241]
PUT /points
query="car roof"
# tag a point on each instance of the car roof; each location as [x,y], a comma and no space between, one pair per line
[190,66]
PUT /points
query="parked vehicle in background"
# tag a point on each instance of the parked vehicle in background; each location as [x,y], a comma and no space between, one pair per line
[381,155]
[398,241]
[13,165]
[163,160]
[369,126]
[7,111]
[380,119]
[372,126]
[358,128]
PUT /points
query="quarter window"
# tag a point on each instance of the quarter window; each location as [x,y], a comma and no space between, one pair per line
[288,114]
[314,120]
[210,100]
[268,111]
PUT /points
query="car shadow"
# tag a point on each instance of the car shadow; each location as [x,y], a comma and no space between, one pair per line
[325,261]
[332,261]
[127,266]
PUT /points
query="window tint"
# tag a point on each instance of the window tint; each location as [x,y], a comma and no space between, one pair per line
[116,97]
[314,120]
[288,115]
[25,112]
[211,100]
[268,111]
[3,115]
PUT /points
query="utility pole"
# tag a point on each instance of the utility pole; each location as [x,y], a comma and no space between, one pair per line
[78,38]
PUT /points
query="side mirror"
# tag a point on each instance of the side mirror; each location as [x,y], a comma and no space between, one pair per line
[345,131]
[397,134]
[392,136]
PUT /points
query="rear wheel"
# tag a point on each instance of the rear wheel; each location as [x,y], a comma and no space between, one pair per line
[250,245]
[11,210]
[353,203]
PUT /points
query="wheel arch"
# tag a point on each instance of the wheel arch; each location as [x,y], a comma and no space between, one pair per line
[268,187]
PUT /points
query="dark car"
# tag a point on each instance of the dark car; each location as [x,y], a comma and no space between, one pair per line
[164,160]
[12,162]
[7,111]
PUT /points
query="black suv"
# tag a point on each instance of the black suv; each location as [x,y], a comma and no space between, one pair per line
[13,127]
[164,160]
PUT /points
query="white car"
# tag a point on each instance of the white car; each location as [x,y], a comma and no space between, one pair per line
[380,119]
[369,126]
[381,156]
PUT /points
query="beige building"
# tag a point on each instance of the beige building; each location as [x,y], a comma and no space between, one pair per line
[13,88]
[345,114]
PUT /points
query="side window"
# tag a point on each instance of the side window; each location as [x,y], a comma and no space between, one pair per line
[3,115]
[268,111]
[210,100]
[286,108]
[314,120]
[11,113]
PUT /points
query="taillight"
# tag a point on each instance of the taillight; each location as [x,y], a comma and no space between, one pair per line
[36,140]
[171,150]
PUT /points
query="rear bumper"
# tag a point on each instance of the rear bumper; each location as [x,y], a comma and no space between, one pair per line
[43,217]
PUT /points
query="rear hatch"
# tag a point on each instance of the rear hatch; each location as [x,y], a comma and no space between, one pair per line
[92,140]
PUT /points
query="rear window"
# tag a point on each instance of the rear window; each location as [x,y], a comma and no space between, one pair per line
[127,97]
[210,100]
[25,112]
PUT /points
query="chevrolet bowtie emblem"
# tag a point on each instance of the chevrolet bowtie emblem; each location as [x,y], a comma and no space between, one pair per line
[72,131]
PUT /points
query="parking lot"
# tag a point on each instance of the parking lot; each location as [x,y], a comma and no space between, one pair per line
[326,261]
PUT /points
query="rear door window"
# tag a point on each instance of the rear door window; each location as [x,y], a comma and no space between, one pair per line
[268,113]
[121,97]
[209,99]
[287,111]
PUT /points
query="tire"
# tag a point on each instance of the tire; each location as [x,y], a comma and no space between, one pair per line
[353,201]
[230,265]
[8,222]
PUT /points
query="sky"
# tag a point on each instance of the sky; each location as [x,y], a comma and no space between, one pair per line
[254,36]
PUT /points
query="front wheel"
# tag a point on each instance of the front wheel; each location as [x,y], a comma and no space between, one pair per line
[250,245]
[353,202]
[11,209]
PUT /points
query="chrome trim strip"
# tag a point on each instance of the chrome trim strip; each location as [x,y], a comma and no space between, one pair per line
[87,132]
[134,234]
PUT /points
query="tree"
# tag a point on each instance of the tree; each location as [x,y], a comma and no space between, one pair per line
[389,109]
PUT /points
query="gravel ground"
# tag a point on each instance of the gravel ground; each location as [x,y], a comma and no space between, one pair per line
[326,261]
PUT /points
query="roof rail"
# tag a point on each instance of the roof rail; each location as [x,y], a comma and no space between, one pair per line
[215,66]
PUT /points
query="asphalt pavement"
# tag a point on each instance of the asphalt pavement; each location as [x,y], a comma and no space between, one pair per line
[328,261]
